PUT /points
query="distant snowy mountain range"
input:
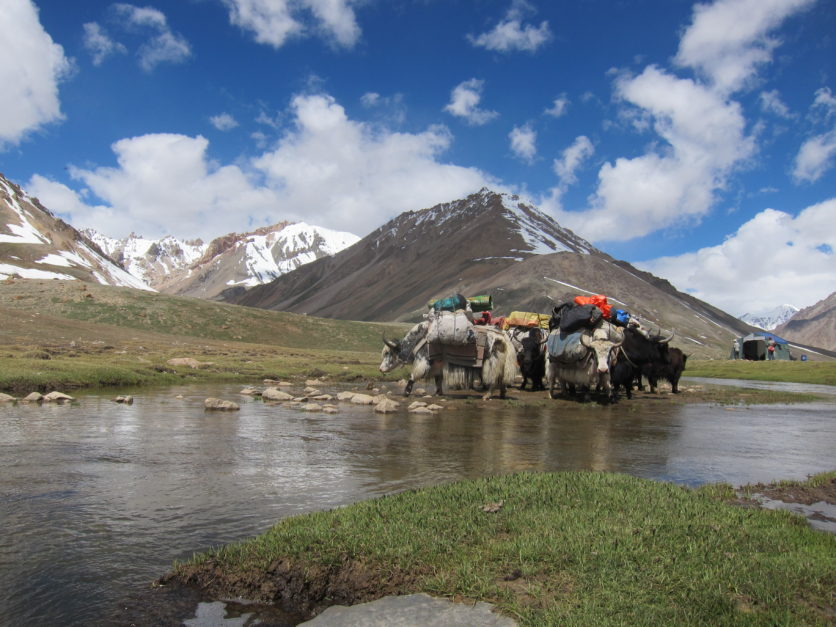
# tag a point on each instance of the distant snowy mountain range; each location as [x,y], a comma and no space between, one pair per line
[192,268]
[770,319]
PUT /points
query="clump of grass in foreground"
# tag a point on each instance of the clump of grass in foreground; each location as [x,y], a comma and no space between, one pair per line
[564,548]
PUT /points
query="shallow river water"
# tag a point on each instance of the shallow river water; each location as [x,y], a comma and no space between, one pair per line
[98,499]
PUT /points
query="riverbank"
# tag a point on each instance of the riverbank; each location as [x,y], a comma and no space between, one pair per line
[544,548]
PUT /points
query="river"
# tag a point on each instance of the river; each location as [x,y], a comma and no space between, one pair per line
[98,498]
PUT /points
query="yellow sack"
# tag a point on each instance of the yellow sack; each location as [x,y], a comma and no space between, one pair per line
[525,319]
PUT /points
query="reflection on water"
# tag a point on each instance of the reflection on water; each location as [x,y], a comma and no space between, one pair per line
[99,498]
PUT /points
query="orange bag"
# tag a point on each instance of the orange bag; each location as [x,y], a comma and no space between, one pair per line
[599,300]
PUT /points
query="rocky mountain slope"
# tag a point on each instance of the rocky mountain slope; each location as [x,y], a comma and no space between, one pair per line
[34,244]
[192,268]
[813,326]
[487,243]
[768,320]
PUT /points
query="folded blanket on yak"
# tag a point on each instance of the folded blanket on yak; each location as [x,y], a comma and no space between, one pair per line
[566,347]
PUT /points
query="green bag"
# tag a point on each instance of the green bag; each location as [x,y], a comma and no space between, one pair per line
[481,303]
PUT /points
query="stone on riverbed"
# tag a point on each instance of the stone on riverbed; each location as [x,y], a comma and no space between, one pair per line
[386,406]
[57,397]
[272,394]
[5,398]
[219,404]
[412,609]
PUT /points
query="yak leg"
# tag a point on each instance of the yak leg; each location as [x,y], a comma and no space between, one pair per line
[408,389]
[551,376]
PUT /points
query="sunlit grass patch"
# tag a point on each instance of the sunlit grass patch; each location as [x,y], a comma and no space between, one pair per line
[818,372]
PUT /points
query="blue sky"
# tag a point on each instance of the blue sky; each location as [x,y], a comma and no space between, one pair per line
[695,140]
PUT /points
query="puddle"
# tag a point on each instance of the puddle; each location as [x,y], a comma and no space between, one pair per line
[821,515]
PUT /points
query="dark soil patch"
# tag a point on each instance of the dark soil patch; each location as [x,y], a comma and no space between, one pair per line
[804,494]
[301,590]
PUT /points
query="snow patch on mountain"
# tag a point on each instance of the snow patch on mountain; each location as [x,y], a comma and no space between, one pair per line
[41,239]
[771,318]
[148,259]
[534,227]
[270,255]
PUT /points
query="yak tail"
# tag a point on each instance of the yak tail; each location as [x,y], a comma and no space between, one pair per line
[501,365]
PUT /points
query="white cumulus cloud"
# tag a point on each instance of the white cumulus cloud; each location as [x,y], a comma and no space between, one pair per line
[703,141]
[559,107]
[728,39]
[223,122]
[164,184]
[524,142]
[99,44]
[163,45]
[354,176]
[771,103]
[464,103]
[571,159]
[326,169]
[815,157]
[510,34]
[274,22]
[32,66]
[772,258]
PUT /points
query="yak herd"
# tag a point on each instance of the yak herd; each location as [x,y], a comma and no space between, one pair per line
[581,353]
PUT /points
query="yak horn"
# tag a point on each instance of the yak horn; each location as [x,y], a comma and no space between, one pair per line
[390,343]
[668,339]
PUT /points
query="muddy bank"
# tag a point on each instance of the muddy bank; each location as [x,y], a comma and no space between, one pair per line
[300,590]
[804,494]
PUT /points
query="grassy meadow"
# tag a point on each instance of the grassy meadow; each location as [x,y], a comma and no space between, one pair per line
[68,334]
[820,372]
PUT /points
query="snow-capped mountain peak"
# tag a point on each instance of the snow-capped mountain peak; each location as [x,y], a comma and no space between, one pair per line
[771,318]
[541,233]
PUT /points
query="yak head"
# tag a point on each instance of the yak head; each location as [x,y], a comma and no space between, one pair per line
[602,342]
[390,357]
[399,352]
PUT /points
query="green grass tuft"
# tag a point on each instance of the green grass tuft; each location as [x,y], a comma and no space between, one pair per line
[568,548]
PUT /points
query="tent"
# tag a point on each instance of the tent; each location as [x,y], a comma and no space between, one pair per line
[753,347]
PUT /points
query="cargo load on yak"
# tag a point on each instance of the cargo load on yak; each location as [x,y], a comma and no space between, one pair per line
[579,317]
[450,303]
[525,319]
[480,303]
[451,327]
[566,347]
[599,300]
